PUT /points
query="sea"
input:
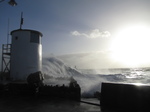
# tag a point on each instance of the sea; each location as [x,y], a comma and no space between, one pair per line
[95,77]
[90,81]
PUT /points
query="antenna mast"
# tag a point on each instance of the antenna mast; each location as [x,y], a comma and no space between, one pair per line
[8,32]
[21,20]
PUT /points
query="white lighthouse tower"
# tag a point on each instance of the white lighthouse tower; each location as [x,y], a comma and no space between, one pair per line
[26,53]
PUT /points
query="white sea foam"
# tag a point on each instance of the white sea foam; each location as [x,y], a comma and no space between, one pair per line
[90,80]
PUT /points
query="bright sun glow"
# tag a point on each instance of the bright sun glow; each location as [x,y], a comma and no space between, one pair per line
[132,46]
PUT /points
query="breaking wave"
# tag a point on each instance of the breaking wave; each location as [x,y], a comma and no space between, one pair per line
[90,80]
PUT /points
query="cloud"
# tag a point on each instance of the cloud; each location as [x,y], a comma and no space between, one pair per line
[96,33]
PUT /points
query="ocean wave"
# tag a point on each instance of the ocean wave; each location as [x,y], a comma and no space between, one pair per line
[90,80]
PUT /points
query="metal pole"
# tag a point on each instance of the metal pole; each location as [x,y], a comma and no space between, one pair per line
[8,32]
[21,21]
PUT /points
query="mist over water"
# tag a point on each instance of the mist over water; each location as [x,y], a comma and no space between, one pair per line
[58,73]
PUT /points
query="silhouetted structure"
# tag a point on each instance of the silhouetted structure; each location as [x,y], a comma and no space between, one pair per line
[125,97]
[36,88]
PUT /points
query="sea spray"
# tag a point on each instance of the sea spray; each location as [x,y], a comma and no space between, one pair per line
[57,68]
[90,82]
[54,68]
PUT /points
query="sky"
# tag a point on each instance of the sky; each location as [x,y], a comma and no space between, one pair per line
[85,33]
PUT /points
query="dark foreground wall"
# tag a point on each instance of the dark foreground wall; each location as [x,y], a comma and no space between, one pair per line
[125,97]
[24,89]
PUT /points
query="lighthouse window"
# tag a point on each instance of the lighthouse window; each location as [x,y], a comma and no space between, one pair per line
[16,38]
[35,37]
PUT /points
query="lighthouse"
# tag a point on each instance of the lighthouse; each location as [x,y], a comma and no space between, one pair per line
[26,53]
